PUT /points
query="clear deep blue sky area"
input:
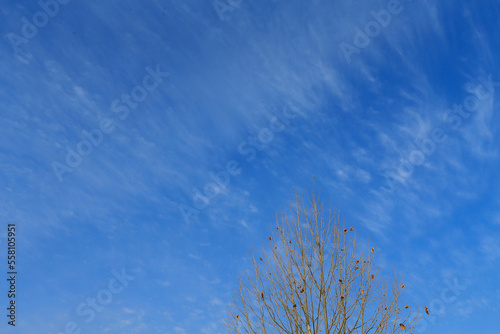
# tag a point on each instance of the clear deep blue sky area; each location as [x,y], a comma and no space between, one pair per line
[146,146]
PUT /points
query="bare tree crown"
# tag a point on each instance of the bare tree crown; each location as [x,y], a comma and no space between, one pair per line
[316,278]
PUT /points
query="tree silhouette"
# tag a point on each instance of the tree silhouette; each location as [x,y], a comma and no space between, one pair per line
[316,278]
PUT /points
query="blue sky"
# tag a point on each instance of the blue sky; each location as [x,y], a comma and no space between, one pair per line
[145,147]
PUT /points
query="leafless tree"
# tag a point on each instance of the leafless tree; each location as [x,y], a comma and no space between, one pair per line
[316,278]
